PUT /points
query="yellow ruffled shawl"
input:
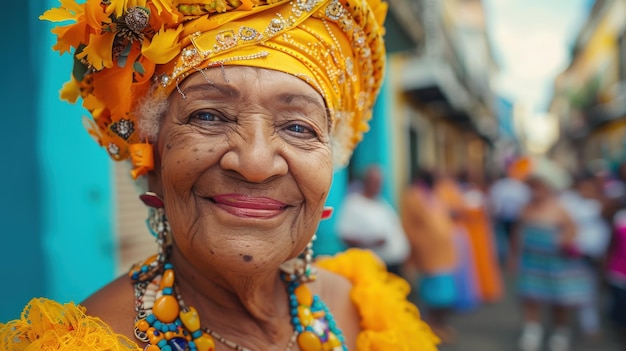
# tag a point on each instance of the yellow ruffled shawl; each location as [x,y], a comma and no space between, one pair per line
[49,326]
[388,320]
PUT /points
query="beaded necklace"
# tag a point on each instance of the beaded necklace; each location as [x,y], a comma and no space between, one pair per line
[166,323]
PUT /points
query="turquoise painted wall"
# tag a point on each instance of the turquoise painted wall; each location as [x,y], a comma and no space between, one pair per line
[21,256]
[56,205]
[374,149]
[327,242]
[77,203]
[376,145]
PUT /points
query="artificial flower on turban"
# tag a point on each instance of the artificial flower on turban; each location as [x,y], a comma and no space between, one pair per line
[127,50]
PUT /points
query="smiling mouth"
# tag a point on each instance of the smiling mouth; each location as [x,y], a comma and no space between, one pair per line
[249,206]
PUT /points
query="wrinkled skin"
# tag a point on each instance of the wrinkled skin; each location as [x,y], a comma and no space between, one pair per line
[264,135]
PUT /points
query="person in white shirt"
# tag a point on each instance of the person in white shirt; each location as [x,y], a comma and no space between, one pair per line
[367,221]
[507,198]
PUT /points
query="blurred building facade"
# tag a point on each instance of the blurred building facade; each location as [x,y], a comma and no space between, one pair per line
[590,95]
[443,109]
[436,109]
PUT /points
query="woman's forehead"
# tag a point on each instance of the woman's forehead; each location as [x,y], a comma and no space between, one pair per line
[232,81]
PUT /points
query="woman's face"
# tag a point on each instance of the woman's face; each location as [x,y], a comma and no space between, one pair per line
[244,165]
[539,189]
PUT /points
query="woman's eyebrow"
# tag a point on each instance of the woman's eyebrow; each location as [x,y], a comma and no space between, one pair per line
[288,98]
[222,89]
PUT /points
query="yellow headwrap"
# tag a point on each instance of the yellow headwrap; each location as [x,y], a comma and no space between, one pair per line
[126,49]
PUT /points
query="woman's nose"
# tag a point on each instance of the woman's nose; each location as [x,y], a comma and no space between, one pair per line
[256,154]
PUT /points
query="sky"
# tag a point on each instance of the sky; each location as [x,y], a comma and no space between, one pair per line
[532,40]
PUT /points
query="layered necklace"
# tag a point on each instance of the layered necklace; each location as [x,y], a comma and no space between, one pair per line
[165,323]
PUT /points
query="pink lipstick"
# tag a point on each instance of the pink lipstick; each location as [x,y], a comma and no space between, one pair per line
[249,206]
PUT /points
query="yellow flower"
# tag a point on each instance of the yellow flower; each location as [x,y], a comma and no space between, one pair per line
[165,8]
[70,91]
[164,45]
[69,10]
[119,6]
[98,52]
[71,35]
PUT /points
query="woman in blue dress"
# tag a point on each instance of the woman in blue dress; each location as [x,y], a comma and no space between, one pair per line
[551,273]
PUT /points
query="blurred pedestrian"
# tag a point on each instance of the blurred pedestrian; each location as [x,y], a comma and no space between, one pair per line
[592,238]
[616,274]
[551,271]
[449,191]
[429,228]
[365,220]
[480,233]
[507,197]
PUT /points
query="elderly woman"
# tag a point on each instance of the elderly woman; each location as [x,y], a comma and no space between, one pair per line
[235,113]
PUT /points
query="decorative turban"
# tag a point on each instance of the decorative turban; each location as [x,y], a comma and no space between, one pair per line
[126,50]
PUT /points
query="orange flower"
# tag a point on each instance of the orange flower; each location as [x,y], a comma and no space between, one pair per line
[113,86]
[89,18]
[95,15]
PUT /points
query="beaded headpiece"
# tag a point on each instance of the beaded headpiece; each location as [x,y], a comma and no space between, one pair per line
[125,50]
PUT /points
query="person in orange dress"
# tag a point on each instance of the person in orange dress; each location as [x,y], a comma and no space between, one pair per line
[447,189]
[429,228]
[481,238]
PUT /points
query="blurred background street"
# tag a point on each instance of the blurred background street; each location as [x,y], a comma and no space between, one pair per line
[496,327]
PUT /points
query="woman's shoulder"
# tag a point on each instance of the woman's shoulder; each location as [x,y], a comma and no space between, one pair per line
[114,305]
[387,319]
[49,325]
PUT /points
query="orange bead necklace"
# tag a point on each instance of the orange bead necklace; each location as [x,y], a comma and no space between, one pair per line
[165,323]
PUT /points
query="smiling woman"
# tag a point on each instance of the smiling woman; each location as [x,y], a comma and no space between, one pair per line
[236,113]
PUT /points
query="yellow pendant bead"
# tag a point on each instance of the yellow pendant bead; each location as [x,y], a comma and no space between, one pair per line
[304,313]
[166,308]
[152,348]
[204,343]
[333,340]
[190,319]
[319,314]
[167,281]
[303,295]
[308,341]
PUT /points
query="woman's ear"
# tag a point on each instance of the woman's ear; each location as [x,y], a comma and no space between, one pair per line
[154,176]
[154,182]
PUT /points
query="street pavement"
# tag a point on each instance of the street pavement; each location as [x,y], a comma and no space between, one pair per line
[496,327]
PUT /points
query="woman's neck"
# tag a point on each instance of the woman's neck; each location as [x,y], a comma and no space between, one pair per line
[251,309]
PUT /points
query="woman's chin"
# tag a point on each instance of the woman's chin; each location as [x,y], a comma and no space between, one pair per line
[245,262]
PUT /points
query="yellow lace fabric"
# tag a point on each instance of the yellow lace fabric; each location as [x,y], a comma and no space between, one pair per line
[47,325]
[388,320]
